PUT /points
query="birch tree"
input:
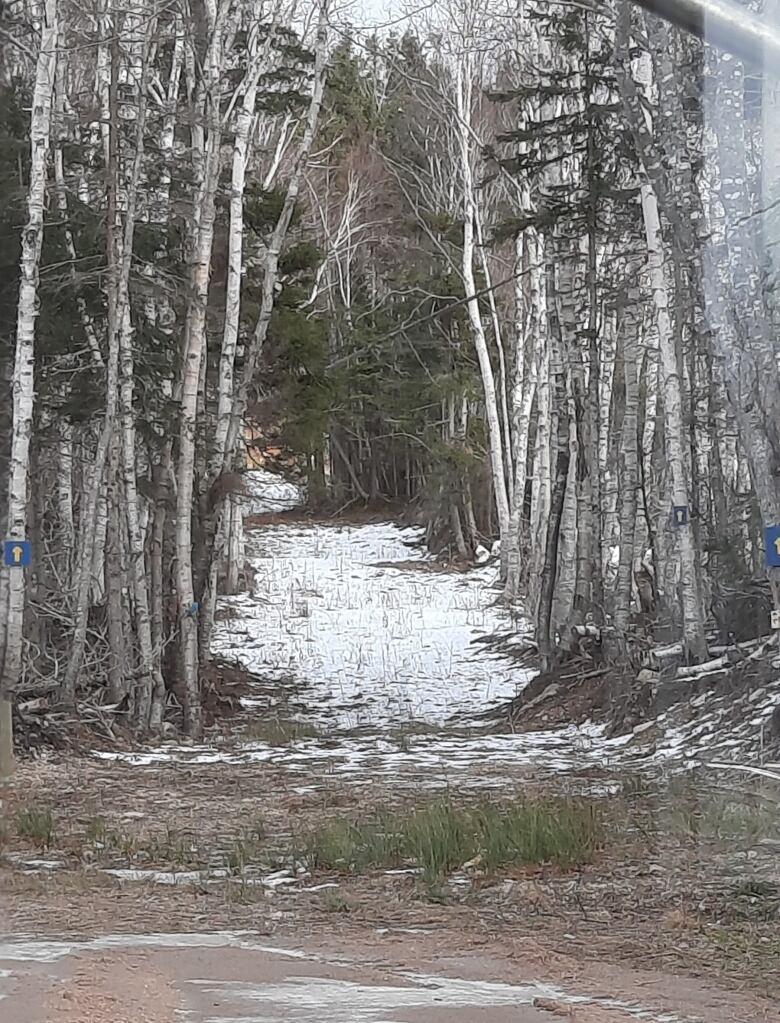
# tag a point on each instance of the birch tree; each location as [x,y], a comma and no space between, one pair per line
[12,580]
[119,251]
[674,431]
[464,84]
[206,142]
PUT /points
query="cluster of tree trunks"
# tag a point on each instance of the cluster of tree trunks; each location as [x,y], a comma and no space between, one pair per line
[520,279]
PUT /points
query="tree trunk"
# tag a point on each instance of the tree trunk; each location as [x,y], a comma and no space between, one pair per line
[66,533]
[192,360]
[119,249]
[546,625]
[463,93]
[12,591]
[528,326]
[743,336]
[629,472]
[241,149]
[674,422]
[273,253]
[115,585]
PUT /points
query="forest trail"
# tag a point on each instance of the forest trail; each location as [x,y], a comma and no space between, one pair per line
[511,268]
[371,659]
[370,664]
[371,692]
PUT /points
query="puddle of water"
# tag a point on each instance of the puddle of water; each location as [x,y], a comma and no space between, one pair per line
[315,999]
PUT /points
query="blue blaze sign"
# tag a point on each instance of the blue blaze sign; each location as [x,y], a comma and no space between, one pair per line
[679,514]
[17,553]
[772,545]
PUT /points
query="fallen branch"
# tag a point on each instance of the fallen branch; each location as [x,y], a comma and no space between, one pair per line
[719,664]
[761,771]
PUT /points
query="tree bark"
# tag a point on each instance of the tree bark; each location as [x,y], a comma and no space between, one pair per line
[546,625]
[192,360]
[119,250]
[274,250]
[528,327]
[629,472]
[674,423]
[463,93]
[12,590]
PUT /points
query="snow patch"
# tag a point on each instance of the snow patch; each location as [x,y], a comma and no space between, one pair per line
[328,1000]
[267,493]
[32,865]
[52,951]
[365,642]
[166,877]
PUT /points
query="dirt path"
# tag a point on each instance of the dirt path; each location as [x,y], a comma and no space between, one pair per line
[224,978]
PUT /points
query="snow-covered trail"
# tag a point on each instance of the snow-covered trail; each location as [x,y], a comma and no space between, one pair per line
[359,636]
[365,628]
[371,648]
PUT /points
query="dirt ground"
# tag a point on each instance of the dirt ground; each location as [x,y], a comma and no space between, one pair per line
[652,921]
[155,986]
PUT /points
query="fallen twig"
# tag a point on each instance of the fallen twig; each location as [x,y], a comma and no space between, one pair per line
[761,771]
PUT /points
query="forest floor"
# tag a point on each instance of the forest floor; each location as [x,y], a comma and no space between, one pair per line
[676,915]
[251,877]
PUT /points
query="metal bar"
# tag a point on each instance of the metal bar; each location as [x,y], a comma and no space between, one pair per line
[725,24]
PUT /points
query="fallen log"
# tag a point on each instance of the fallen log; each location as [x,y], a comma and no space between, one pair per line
[722,663]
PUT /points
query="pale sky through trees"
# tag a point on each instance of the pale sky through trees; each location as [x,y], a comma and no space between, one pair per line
[381,13]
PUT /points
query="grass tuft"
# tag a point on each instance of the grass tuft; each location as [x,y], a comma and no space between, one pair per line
[37,825]
[334,902]
[440,837]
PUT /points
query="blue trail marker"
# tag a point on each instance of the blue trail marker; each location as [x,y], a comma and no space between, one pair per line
[17,553]
[772,545]
[679,515]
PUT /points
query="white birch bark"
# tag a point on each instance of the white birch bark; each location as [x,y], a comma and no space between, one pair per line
[193,355]
[12,592]
[62,205]
[118,667]
[148,676]
[528,332]
[629,471]
[674,429]
[463,100]
[119,246]
[541,492]
[674,423]
[67,532]
[561,428]
[241,147]
[95,541]
[498,335]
